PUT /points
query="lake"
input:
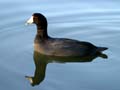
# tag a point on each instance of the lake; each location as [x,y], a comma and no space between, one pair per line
[87,20]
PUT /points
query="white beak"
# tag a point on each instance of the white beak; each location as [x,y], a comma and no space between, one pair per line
[30,21]
[30,79]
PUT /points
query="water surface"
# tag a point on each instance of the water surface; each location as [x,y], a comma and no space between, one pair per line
[87,20]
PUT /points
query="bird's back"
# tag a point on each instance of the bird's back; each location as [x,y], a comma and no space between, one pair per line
[65,47]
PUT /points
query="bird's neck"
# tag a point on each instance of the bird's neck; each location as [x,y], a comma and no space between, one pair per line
[42,33]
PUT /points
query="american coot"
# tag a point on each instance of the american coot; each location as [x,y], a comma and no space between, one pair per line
[47,45]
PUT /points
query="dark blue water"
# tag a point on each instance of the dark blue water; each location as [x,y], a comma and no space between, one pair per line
[86,20]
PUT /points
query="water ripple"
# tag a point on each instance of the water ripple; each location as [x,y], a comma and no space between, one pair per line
[93,21]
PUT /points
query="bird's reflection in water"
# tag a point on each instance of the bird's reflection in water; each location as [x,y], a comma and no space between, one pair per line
[41,62]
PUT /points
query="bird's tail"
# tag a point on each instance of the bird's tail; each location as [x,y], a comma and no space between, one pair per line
[100,49]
